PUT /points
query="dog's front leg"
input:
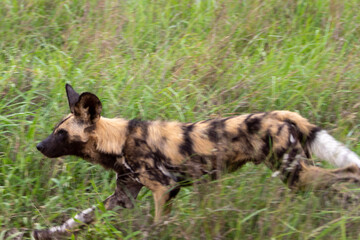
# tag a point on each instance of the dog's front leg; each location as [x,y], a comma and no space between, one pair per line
[126,190]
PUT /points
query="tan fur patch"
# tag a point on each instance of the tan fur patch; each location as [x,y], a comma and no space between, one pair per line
[302,123]
[110,135]
[316,178]
[201,143]
[74,129]
[232,124]
[167,136]
[281,138]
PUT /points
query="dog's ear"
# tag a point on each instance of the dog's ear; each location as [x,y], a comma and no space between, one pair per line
[88,107]
[72,96]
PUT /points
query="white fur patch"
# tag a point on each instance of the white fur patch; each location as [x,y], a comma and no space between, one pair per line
[294,163]
[165,171]
[127,165]
[285,158]
[327,148]
[292,139]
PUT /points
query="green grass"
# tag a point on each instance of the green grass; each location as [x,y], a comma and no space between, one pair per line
[178,60]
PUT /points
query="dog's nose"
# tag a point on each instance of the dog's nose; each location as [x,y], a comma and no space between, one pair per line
[40,147]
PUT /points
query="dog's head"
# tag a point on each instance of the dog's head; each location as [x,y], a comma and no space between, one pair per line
[72,133]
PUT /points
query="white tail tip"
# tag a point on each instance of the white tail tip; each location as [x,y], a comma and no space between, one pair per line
[327,148]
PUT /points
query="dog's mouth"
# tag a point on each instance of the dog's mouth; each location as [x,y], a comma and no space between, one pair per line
[50,148]
[44,150]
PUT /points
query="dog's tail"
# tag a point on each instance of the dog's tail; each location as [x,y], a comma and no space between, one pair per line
[320,143]
[326,147]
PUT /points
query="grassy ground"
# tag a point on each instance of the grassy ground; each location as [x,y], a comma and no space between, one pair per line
[183,60]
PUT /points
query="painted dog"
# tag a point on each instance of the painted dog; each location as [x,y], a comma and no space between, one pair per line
[164,156]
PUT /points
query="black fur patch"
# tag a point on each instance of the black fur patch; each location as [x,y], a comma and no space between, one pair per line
[216,128]
[293,178]
[57,125]
[227,118]
[186,148]
[90,128]
[253,124]
[144,129]
[159,157]
[174,192]
[268,143]
[108,161]
[139,142]
[244,140]
[136,123]
[279,152]
[156,175]
[312,134]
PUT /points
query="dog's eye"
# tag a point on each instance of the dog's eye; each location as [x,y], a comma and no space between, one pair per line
[62,132]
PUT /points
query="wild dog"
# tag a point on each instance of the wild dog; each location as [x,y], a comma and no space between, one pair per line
[163,156]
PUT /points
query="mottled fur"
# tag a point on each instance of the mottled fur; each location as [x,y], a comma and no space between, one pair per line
[163,156]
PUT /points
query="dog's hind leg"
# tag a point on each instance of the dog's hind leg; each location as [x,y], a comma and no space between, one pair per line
[126,190]
[297,171]
[334,182]
[337,185]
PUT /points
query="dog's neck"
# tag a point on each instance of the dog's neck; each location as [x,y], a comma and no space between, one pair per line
[110,135]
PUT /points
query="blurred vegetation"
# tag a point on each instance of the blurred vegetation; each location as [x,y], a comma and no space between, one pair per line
[176,60]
